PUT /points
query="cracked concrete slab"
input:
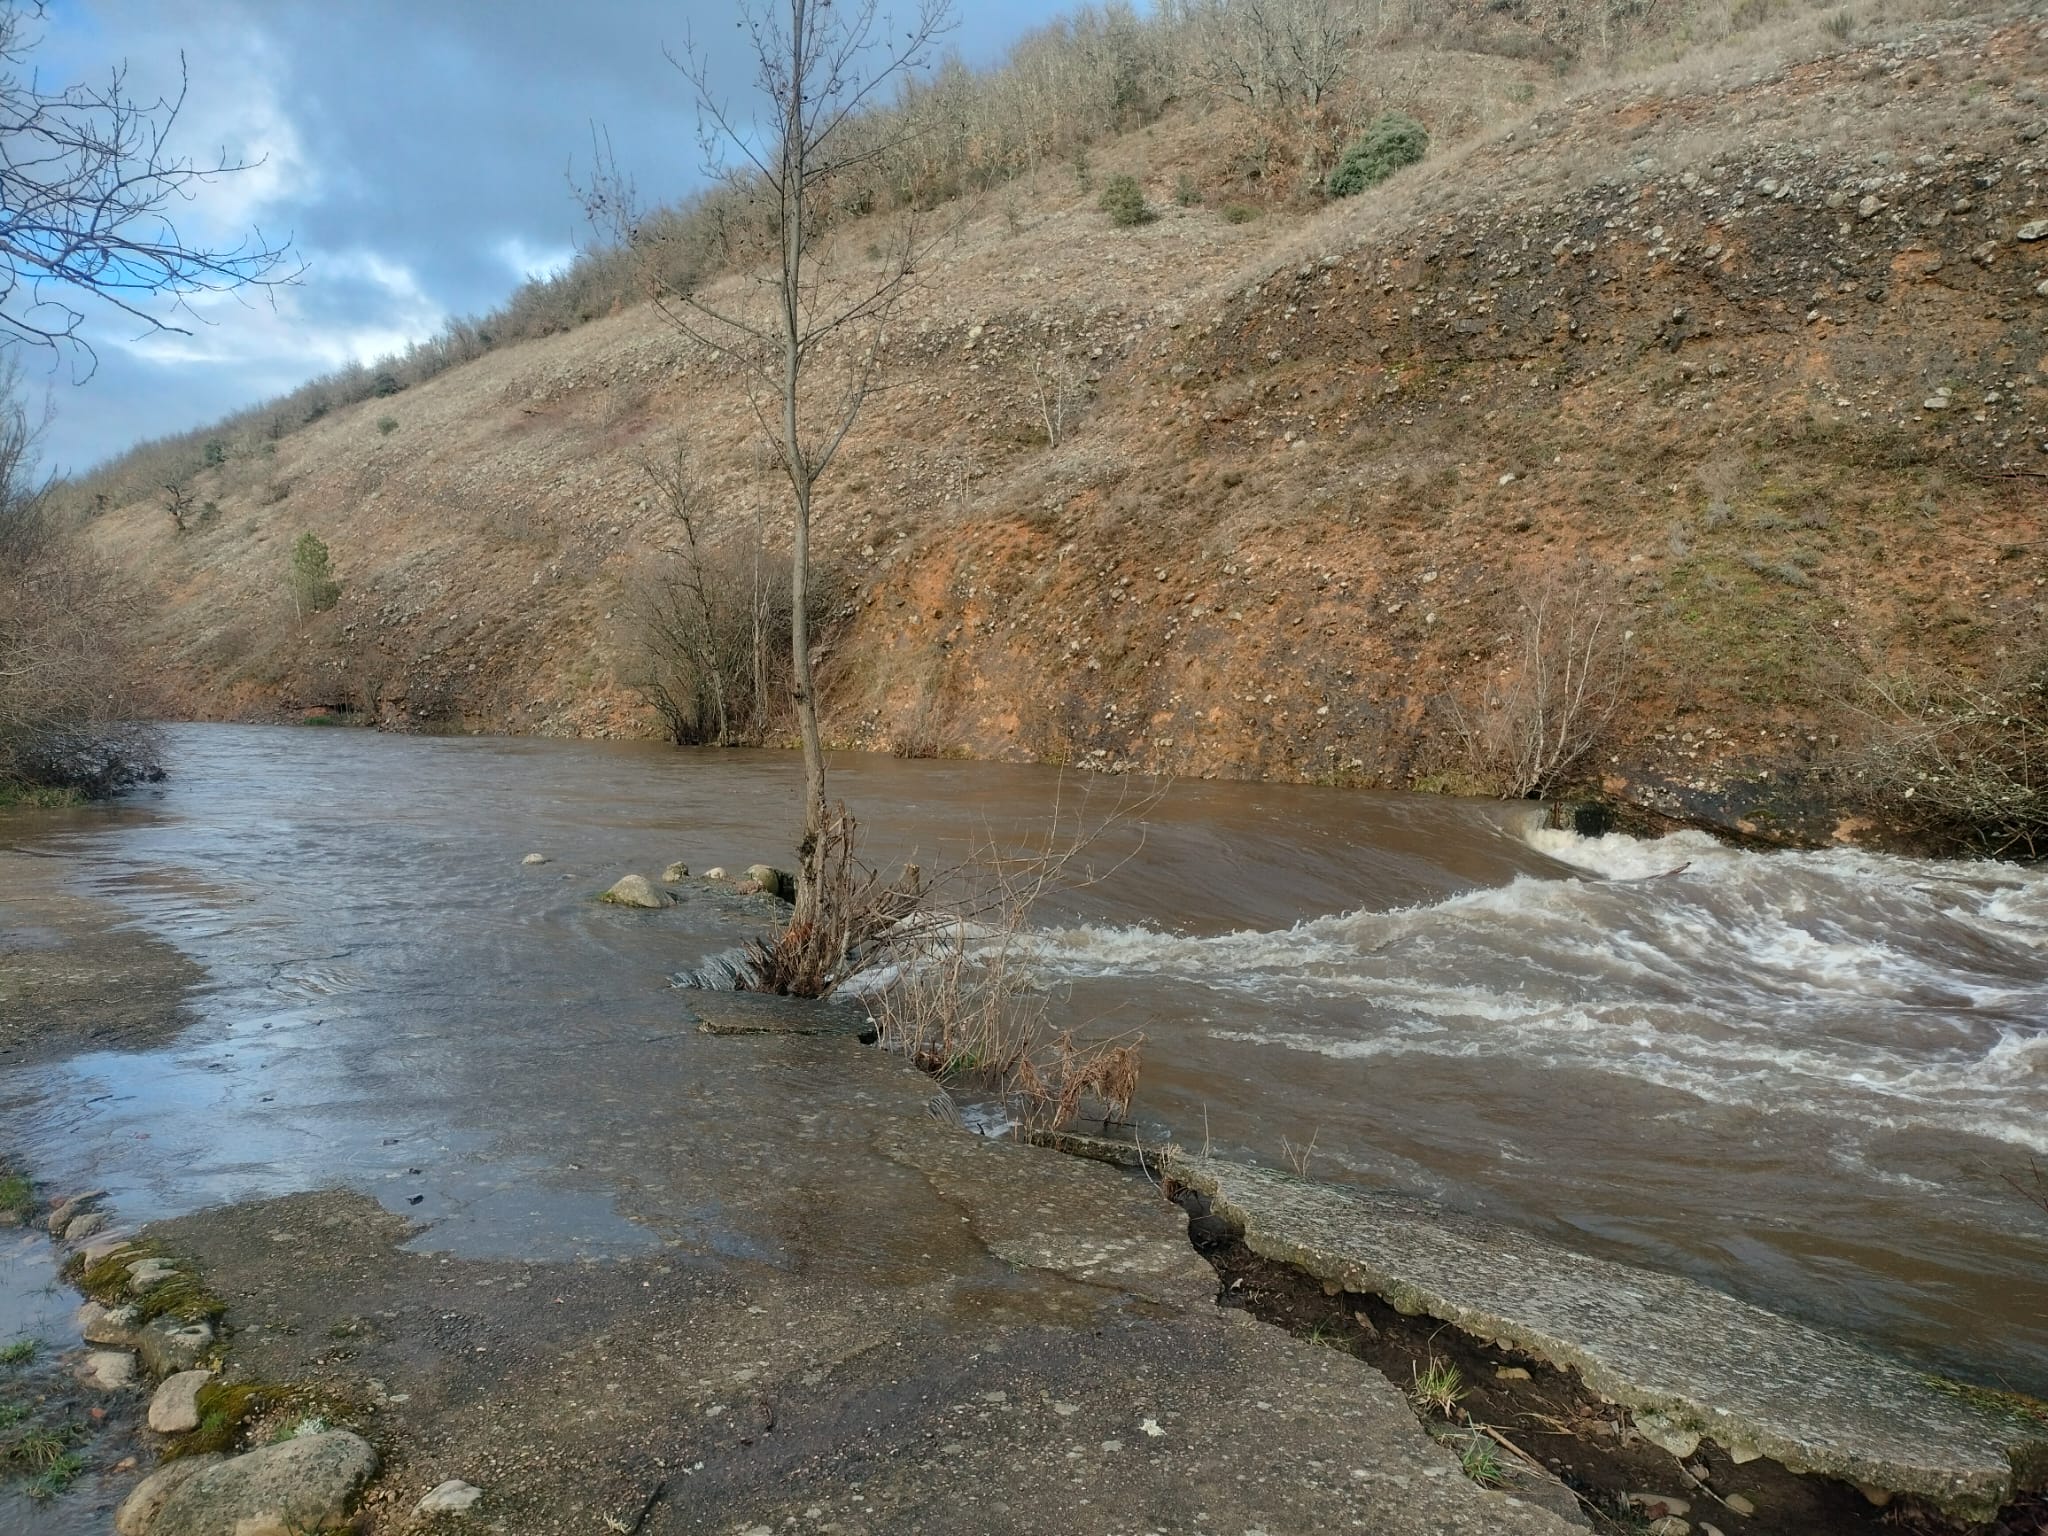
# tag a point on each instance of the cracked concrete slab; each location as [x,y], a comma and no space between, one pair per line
[1690,1361]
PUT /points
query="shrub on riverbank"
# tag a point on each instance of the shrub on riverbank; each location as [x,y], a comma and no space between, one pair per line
[69,703]
[1963,759]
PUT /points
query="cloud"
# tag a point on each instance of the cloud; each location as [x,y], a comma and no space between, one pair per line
[527,262]
[418,156]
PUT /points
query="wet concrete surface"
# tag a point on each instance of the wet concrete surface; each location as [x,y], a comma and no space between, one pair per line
[974,1337]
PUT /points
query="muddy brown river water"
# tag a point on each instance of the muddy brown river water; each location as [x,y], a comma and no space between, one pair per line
[1798,1077]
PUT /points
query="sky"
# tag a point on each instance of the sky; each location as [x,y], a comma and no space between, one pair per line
[417,154]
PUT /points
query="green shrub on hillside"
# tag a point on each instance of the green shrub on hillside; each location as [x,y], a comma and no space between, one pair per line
[387,425]
[1186,192]
[1393,140]
[1124,201]
[1239,213]
[314,588]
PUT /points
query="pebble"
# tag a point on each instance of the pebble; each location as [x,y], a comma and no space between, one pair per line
[1670,1525]
[451,1498]
[1657,1503]
[2037,230]
[535,858]
[1510,1373]
[1740,1505]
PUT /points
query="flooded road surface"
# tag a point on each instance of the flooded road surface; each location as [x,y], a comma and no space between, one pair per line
[1799,1077]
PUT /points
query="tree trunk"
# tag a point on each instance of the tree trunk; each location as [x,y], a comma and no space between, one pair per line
[811,851]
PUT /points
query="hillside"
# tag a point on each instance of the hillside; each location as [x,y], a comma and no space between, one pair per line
[1749,352]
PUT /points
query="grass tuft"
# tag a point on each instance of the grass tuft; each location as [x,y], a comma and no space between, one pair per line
[1438,1387]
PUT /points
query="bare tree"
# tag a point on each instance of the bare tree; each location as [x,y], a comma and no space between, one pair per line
[812,357]
[1568,678]
[1059,383]
[87,174]
[1274,56]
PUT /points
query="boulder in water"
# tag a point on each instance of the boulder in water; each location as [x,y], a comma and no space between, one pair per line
[535,858]
[676,873]
[636,891]
[775,882]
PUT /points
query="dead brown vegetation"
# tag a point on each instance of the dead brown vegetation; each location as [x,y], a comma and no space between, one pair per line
[1569,658]
[70,711]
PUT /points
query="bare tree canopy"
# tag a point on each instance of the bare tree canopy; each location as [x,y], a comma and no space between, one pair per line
[87,179]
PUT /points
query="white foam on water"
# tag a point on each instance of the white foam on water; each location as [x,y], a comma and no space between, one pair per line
[1890,992]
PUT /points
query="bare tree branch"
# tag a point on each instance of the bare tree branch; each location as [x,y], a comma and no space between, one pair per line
[87,176]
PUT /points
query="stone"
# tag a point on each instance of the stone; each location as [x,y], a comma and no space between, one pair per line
[676,873]
[1657,1504]
[2037,230]
[1509,1373]
[1669,1525]
[1740,1505]
[175,1408]
[535,858]
[64,1210]
[716,872]
[169,1345]
[2041,289]
[1935,403]
[1668,1434]
[110,1369]
[144,1273]
[636,891]
[451,1498]
[1869,207]
[139,1510]
[105,1247]
[1655,1343]
[772,880]
[82,1227]
[115,1327]
[306,1483]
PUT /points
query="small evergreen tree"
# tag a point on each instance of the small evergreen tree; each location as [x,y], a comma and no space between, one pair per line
[1124,201]
[1393,140]
[314,588]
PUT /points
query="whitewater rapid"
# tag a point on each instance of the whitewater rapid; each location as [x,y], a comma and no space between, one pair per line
[1886,992]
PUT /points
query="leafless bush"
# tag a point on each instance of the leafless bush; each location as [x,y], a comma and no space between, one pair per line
[708,621]
[1059,386]
[1570,658]
[1965,758]
[964,1004]
[68,698]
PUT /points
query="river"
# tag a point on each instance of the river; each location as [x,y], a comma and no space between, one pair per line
[1802,1078]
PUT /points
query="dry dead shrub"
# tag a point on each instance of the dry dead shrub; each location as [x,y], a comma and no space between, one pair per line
[963,1003]
[1965,758]
[1569,662]
[957,994]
